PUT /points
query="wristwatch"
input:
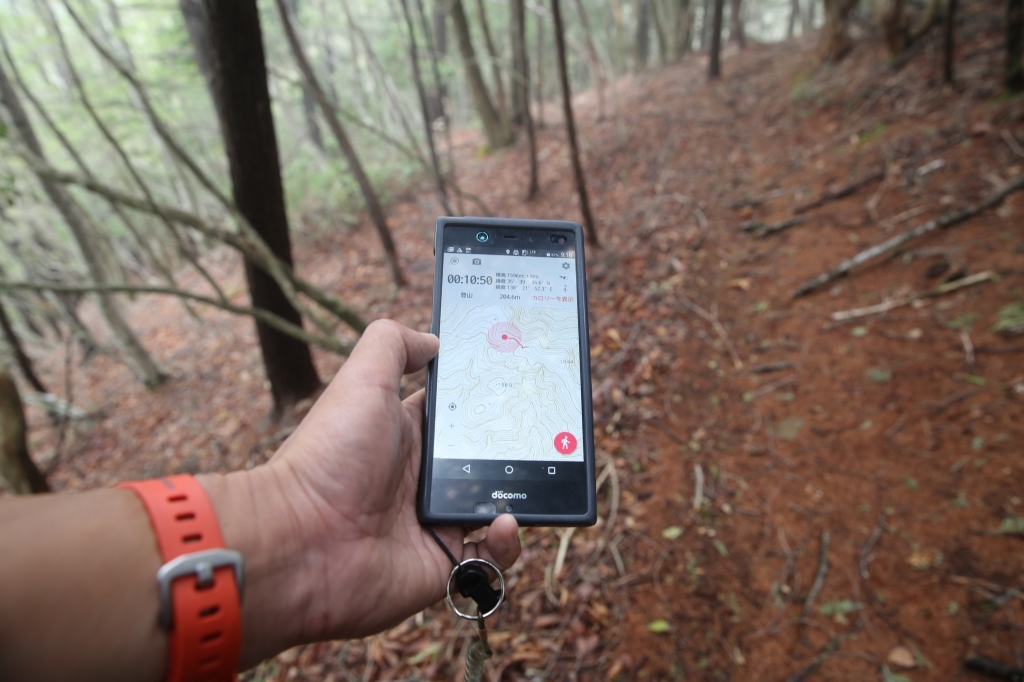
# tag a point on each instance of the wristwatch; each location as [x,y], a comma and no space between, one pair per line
[200,582]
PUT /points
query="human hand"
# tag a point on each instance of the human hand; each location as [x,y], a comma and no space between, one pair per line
[339,497]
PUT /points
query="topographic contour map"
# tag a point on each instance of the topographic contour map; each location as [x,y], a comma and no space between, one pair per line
[508,382]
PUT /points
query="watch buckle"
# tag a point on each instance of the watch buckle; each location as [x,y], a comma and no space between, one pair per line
[201,565]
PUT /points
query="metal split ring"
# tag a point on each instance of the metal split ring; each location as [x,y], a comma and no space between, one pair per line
[501,588]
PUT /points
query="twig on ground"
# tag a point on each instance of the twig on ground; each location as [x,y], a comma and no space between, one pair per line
[825,652]
[1012,143]
[765,390]
[1013,348]
[945,222]
[840,192]
[819,579]
[895,428]
[937,408]
[759,229]
[994,669]
[563,547]
[771,367]
[703,220]
[865,550]
[757,201]
[965,341]
[698,489]
[770,429]
[895,220]
[886,306]
[719,329]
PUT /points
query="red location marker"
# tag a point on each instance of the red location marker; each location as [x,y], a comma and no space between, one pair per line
[565,443]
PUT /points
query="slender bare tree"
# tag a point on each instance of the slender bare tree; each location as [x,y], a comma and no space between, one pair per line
[82,231]
[16,467]
[521,89]
[835,39]
[498,133]
[341,137]
[1013,75]
[421,92]
[715,56]
[570,127]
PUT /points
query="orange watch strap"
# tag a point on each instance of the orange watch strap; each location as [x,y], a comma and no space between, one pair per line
[205,621]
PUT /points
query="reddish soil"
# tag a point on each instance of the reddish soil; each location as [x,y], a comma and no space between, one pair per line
[876,456]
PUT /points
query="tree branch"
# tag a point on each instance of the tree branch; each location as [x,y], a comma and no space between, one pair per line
[945,222]
[326,342]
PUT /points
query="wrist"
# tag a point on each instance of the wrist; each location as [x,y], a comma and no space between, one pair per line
[257,519]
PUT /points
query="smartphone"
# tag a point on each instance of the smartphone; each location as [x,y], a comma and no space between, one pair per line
[508,423]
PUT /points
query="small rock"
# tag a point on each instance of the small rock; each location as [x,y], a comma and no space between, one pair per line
[902,657]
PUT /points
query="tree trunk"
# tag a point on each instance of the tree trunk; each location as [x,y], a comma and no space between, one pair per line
[194,14]
[891,17]
[498,134]
[642,43]
[239,87]
[570,127]
[736,31]
[794,12]
[683,22]
[835,41]
[540,72]
[1014,74]
[442,191]
[24,361]
[16,467]
[948,40]
[517,106]
[705,24]
[308,101]
[659,32]
[438,49]
[82,231]
[341,137]
[714,64]
[521,88]
[593,59]
[499,81]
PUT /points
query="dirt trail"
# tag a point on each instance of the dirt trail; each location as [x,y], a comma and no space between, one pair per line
[852,473]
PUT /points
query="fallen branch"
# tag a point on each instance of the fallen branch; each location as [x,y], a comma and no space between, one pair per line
[768,388]
[819,579]
[844,191]
[757,201]
[265,316]
[825,652]
[779,227]
[945,222]
[886,306]
[771,367]
[719,329]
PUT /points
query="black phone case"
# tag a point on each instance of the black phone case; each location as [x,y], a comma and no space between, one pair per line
[426,464]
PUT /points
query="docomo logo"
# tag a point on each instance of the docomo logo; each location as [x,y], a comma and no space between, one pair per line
[502,495]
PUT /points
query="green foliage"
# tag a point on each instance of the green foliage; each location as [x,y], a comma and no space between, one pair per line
[1010,319]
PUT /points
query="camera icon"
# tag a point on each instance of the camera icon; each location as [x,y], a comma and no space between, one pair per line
[476,261]
[482,237]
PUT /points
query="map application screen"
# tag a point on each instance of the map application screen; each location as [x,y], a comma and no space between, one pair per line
[508,370]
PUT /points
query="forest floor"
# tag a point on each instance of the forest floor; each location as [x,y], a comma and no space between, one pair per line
[782,495]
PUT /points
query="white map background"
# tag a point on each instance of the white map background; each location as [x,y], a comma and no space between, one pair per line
[507,406]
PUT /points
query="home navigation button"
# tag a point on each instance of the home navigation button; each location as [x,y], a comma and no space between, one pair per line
[508,469]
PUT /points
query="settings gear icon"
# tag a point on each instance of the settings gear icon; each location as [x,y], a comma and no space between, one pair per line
[565,266]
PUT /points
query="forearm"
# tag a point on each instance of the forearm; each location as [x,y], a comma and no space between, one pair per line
[79,595]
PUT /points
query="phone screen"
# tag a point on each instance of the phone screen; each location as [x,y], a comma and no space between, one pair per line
[510,428]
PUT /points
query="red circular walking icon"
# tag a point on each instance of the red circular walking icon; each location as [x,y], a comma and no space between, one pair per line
[565,443]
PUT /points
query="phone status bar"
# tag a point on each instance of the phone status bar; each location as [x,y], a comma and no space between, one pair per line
[500,251]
